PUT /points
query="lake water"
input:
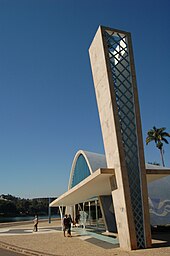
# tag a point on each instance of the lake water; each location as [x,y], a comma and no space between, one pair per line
[25,218]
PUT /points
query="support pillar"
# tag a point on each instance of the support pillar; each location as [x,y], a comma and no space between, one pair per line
[114,78]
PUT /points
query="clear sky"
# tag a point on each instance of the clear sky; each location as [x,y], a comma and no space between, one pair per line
[48,107]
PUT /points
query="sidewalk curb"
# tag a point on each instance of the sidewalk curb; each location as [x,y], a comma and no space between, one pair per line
[24,251]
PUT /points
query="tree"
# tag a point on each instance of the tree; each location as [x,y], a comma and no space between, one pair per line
[158,135]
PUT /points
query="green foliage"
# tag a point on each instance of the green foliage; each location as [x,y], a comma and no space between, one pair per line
[15,206]
[7,207]
[158,136]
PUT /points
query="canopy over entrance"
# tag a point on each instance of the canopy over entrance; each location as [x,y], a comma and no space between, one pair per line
[153,174]
[98,183]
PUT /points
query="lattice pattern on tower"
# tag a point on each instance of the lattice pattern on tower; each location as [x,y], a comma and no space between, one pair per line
[121,74]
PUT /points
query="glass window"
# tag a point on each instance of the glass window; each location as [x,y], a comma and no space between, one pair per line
[81,171]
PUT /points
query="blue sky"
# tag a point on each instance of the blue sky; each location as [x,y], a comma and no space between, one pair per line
[48,108]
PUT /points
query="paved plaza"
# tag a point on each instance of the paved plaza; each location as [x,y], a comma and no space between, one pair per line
[49,241]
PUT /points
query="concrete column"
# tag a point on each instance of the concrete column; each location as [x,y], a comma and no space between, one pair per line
[113,69]
[97,220]
[89,213]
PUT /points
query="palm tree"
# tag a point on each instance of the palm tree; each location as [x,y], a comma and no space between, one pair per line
[158,135]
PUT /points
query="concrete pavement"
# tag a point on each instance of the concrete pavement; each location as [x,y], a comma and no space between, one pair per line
[4,252]
[49,241]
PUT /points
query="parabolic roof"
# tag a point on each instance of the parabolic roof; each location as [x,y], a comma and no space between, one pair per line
[98,182]
[97,161]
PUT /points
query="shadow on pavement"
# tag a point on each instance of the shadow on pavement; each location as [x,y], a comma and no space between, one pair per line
[102,244]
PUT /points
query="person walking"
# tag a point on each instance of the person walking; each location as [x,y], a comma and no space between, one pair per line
[35,224]
[69,225]
[65,224]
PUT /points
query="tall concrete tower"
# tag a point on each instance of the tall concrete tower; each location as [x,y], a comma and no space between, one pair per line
[114,78]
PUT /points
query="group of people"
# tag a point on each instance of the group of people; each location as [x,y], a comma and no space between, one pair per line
[67,225]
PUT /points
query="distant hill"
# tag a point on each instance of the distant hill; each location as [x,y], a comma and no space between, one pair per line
[16,206]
